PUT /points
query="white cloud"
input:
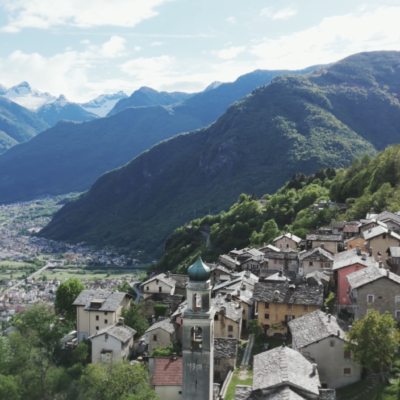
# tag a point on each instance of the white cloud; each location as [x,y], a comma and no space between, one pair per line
[367,31]
[137,48]
[156,44]
[114,47]
[231,20]
[231,52]
[284,13]
[142,67]
[85,41]
[43,14]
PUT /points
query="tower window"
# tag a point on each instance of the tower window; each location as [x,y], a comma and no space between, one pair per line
[196,335]
[196,302]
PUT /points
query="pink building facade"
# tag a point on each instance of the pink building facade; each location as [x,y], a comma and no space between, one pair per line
[343,284]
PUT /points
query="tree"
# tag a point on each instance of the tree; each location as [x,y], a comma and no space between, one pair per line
[134,317]
[115,381]
[125,287]
[65,296]
[9,388]
[374,341]
[257,330]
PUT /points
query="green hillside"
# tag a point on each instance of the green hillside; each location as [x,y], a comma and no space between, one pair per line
[70,157]
[17,124]
[293,124]
[367,185]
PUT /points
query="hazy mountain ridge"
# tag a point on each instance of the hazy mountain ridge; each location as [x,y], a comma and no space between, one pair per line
[293,124]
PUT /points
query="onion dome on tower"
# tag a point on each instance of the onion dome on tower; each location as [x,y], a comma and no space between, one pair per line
[199,272]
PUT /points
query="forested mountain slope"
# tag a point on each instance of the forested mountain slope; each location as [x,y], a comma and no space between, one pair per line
[17,124]
[293,124]
[70,157]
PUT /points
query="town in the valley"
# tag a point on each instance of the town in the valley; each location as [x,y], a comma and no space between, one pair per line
[269,321]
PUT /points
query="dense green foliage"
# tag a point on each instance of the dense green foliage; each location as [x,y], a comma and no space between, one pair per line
[71,156]
[134,317]
[293,124]
[17,124]
[33,365]
[65,296]
[380,331]
[145,97]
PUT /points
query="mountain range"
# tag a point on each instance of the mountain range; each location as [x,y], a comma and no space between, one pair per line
[71,156]
[103,104]
[293,124]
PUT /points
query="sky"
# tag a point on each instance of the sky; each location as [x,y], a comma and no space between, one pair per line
[86,48]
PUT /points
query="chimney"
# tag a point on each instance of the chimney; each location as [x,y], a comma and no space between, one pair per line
[370,251]
[222,311]
[387,273]
[314,369]
[338,332]
[292,288]
[322,245]
[380,264]
[276,294]
[238,292]
[247,274]
[358,250]
[329,317]
[121,321]
[167,274]
[228,297]
[363,256]
[280,272]
[243,287]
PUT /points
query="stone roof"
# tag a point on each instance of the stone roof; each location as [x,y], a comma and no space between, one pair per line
[232,311]
[276,277]
[324,237]
[170,300]
[369,275]
[313,327]
[165,324]
[111,302]
[119,331]
[225,347]
[284,255]
[281,393]
[288,236]
[228,258]
[394,251]
[338,224]
[161,277]
[222,268]
[288,293]
[284,366]
[180,280]
[350,257]
[388,216]
[377,231]
[269,247]
[167,371]
[315,253]
[350,228]
[317,277]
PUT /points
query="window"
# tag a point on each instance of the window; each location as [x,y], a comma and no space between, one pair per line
[287,246]
[97,328]
[147,288]
[397,299]
[310,263]
[217,361]
[266,316]
[156,281]
[155,338]
[332,343]
[294,262]
[346,371]
[280,245]
[275,261]
[97,317]
[290,306]
[384,236]
[397,313]
[105,313]
[230,328]
[216,317]
[106,321]
[370,298]
[266,305]
[305,308]
[347,354]
[160,289]
[327,265]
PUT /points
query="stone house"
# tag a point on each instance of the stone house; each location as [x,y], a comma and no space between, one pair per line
[287,260]
[332,243]
[171,301]
[367,224]
[393,260]
[230,262]
[161,334]
[344,264]
[112,343]
[268,248]
[392,220]
[315,259]
[283,373]
[287,241]
[351,229]
[378,240]
[354,242]
[181,282]
[377,288]
[96,309]
[225,354]
[227,317]
[217,272]
[161,283]
[166,375]
[279,303]
[318,335]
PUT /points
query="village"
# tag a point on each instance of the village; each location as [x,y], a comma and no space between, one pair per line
[271,320]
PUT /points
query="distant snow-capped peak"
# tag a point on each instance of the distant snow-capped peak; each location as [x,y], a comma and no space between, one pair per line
[102,104]
[212,86]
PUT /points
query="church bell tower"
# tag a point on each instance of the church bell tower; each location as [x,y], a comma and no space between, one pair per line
[198,335]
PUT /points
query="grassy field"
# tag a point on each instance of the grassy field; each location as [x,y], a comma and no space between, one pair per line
[237,379]
[379,392]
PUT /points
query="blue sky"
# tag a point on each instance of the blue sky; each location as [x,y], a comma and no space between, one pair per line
[84,48]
